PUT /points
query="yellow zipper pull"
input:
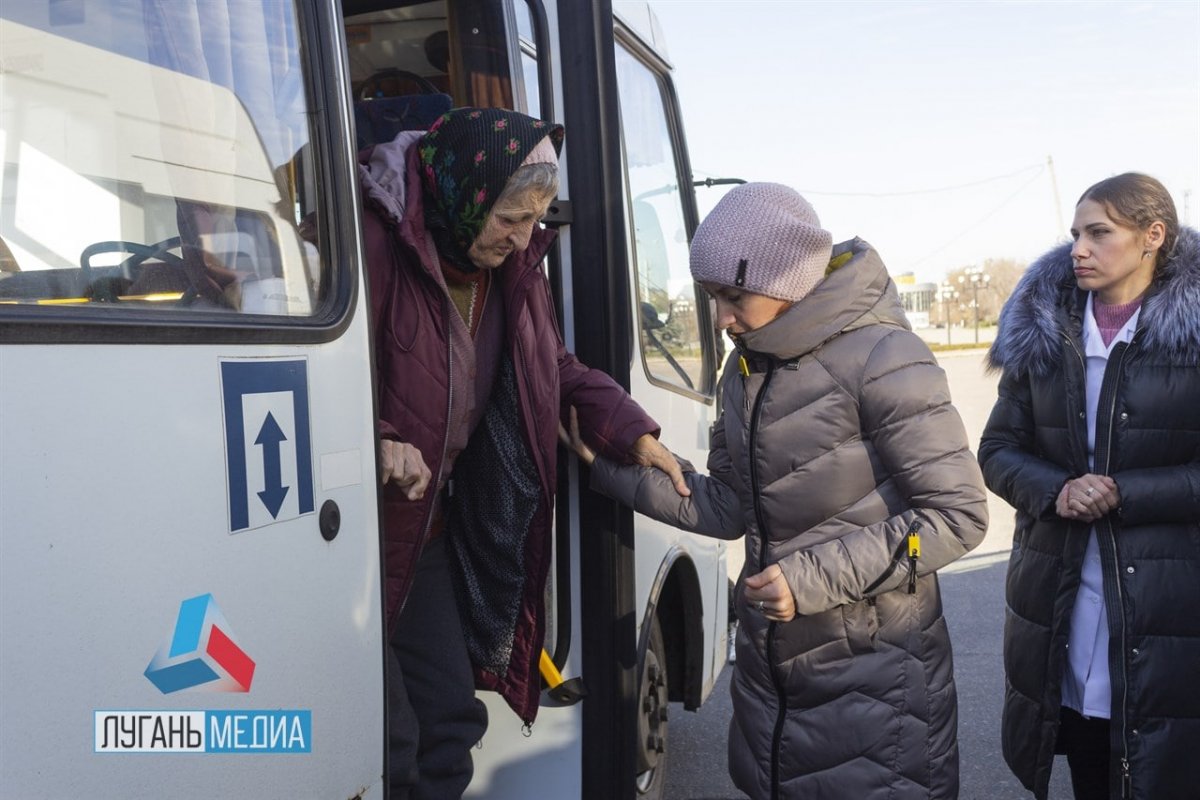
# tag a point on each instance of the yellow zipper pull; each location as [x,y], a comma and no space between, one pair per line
[743,367]
[914,552]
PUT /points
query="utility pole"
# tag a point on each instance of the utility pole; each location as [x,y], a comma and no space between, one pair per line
[1062,231]
[947,293]
[976,277]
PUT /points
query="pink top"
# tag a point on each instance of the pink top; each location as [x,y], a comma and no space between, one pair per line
[1110,319]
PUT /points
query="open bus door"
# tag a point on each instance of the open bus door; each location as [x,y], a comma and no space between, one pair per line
[189,557]
[636,612]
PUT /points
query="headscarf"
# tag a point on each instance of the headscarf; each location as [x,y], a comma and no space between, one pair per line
[467,158]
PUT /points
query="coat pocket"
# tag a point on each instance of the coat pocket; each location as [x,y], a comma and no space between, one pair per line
[861,620]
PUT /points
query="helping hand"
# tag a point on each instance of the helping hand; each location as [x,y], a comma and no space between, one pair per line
[646,451]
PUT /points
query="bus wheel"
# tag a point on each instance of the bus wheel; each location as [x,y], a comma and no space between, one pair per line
[652,717]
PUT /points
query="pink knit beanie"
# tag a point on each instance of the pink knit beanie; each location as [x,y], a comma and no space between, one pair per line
[764,238]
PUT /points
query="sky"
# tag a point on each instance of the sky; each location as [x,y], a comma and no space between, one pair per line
[929,128]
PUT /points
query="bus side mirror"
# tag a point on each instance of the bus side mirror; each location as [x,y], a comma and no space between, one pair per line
[650,319]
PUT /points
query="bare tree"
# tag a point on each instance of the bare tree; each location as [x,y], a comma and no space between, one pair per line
[1005,273]
[1002,273]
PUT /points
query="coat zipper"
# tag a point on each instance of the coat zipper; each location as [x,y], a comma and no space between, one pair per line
[913,539]
[1111,542]
[776,681]
[907,547]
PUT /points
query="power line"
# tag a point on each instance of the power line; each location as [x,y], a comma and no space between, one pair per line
[983,219]
[938,190]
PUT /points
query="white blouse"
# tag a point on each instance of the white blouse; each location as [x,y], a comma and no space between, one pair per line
[1086,683]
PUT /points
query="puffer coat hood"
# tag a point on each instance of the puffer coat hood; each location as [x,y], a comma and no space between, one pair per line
[1148,442]
[837,440]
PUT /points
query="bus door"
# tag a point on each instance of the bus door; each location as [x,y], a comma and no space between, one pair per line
[190,598]
[614,580]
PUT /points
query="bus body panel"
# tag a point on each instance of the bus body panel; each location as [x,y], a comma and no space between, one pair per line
[115,496]
[189,553]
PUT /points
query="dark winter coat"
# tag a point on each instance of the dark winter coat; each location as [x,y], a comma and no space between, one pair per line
[505,479]
[840,440]
[1148,441]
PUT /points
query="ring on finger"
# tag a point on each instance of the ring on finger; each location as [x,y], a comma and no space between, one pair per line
[1091,490]
[760,605]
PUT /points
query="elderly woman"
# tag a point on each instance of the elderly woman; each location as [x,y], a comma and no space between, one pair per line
[1095,441]
[472,378]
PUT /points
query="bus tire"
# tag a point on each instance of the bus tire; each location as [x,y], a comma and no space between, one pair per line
[652,717]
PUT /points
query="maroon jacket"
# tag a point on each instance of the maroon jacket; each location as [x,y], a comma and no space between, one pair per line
[409,308]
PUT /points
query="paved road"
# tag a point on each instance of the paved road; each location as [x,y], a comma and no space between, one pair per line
[973,595]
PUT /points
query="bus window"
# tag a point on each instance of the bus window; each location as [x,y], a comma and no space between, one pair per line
[454,50]
[529,60]
[670,326]
[399,69]
[156,158]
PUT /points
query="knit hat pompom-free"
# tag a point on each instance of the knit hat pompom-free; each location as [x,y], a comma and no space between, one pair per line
[764,238]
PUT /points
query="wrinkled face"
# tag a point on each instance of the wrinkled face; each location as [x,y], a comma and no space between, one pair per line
[507,229]
[740,311]
[1110,258]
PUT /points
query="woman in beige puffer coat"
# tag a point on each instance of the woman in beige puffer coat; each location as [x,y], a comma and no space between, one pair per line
[839,456]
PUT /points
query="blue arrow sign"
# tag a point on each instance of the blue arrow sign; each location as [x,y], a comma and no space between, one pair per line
[239,380]
[269,437]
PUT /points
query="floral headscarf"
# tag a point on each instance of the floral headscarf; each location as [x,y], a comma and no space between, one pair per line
[467,157]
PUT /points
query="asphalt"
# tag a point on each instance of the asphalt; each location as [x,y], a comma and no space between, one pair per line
[973,597]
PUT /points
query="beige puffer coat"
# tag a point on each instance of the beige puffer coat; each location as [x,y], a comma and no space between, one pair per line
[839,441]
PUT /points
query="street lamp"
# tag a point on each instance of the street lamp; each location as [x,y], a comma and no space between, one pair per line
[975,277]
[947,293]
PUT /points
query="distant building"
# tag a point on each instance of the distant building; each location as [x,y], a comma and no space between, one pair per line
[917,298]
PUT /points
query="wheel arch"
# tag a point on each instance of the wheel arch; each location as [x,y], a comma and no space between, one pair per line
[676,598]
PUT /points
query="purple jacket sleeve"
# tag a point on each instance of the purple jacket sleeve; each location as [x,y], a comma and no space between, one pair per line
[609,419]
[380,275]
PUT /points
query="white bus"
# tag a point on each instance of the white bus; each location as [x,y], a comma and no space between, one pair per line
[190,584]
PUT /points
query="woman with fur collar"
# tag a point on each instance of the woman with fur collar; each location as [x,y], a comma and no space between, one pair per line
[1095,441]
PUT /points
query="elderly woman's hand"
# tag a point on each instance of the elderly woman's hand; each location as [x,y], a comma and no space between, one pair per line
[403,465]
[649,452]
[646,451]
[573,440]
[768,594]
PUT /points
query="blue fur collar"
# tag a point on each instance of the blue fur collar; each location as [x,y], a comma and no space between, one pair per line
[1030,335]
